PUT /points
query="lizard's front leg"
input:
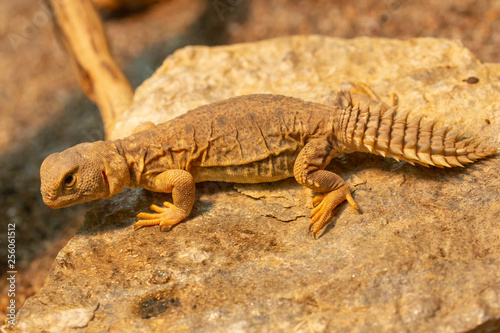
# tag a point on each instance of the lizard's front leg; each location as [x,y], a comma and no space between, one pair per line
[308,171]
[181,184]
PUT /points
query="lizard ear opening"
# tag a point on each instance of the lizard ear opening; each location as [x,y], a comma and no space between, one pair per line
[113,167]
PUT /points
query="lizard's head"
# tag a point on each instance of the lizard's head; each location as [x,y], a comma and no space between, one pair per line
[78,174]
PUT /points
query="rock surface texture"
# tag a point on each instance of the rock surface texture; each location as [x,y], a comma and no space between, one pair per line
[424,255]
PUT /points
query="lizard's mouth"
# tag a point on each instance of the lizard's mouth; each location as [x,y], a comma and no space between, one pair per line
[51,201]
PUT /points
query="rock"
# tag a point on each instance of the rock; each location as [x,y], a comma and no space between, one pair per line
[423,256]
[60,321]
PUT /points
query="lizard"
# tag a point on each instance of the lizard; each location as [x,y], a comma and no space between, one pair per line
[251,139]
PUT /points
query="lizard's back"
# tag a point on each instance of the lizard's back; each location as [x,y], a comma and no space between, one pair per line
[255,137]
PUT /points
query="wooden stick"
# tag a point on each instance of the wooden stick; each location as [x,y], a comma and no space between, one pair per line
[115,5]
[80,30]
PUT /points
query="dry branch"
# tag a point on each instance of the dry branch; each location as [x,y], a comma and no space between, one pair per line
[80,29]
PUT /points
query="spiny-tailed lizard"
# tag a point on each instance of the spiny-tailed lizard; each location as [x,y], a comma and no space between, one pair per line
[250,139]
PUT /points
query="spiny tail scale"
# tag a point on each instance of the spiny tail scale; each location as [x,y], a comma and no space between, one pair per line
[379,129]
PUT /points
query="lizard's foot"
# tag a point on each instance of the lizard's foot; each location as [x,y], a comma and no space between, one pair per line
[324,204]
[362,89]
[166,217]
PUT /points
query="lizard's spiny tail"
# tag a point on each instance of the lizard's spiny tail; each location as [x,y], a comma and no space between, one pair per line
[378,129]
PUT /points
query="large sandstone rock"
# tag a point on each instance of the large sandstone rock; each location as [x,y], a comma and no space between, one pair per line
[424,255]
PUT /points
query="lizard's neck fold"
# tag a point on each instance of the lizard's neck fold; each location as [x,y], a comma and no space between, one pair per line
[116,171]
[134,165]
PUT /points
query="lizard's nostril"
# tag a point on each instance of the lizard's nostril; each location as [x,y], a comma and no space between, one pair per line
[48,196]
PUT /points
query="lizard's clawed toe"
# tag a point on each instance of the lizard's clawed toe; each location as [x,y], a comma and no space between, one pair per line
[145,222]
[317,199]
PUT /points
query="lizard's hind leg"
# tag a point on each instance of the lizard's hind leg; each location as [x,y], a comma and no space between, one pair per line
[308,171]
[362,89]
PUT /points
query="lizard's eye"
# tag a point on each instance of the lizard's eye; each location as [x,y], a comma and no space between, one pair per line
[69,180]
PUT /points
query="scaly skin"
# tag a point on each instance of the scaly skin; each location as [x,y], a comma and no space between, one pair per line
[249,139]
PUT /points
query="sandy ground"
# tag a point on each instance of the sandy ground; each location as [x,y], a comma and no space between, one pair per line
[43,109]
